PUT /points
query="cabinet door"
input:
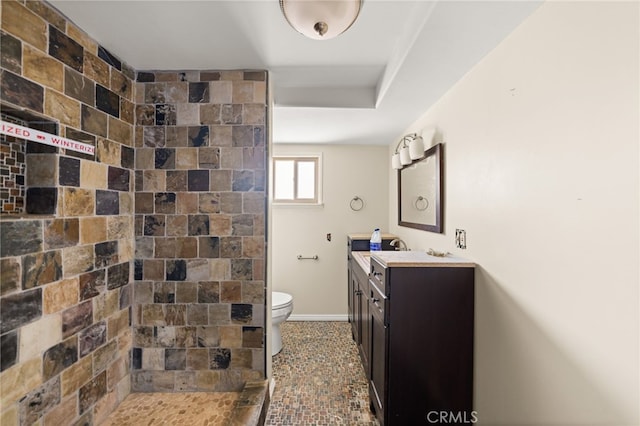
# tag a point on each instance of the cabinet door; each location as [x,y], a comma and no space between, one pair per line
[365,327]
[378,356]
[350,296]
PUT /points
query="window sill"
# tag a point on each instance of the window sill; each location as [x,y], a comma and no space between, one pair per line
[307,205]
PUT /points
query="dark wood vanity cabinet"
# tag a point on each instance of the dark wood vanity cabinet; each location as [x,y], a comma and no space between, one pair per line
[358,293]
[421,343]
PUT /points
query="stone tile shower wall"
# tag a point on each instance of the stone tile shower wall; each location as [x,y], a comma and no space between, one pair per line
[66,274]
[74,342]
[199,219]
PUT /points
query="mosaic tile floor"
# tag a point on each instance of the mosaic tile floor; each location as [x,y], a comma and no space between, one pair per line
[319,378]
[197,409]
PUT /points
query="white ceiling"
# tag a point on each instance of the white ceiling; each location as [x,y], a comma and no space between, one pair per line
[365,86]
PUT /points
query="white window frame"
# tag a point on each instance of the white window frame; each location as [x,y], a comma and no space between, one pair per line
[317,159]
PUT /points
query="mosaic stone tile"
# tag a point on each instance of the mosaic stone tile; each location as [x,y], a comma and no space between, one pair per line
[331,384]
[118,179]
[92,284]
[8,350]
[78,202]
[231,291]
[165,202]
[59,357]
[176,180]
[231,114]
[242,225]
[10,275]
[177,226]
[91,338]
[230,247]
[20,237]
[176,270]
[78,86]
[186,247]
[21,92]
[121,84]
[41,268]
[153,269]
[165,115]
[252,337]
[241,313]
[199,92]
[219,358]
[77,318]
[198,180]
[127,157]
[19,309]
[10,53]
[108,152]
[42,68]
[107,203]
[165,158]
[39,401]
[109,58]
[120,131]
[145,77]
[118,275]
[69,171]
[92,391]
[176,315]
[198,269]
[107,101]
[241,269]
[242,136]
[209,292]
[106,253]
[198,224]
[145,115]
[154,225]
[211,408]
[209,247]
[186,292]
[175,359]
[230,203]
[65,49]
[95,68]
[197,314]
[176,136]
[61,295]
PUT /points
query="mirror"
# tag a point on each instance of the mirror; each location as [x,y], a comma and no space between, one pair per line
[419,192]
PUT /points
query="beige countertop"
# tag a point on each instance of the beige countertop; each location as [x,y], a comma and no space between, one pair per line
[362,258]
[406,259]
[362,236]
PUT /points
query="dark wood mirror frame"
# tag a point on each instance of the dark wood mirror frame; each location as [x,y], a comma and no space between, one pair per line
[434,152]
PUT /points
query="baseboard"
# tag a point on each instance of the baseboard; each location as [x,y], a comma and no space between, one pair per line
[318,318]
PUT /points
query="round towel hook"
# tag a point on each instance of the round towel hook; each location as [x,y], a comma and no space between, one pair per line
[356,204]
[421,203]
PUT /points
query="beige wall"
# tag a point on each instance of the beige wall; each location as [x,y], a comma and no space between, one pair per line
[319,287]
[541,154]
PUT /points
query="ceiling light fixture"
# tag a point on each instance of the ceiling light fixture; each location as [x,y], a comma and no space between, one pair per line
[321,19]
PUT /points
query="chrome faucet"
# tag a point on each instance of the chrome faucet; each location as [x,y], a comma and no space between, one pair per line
[402,246]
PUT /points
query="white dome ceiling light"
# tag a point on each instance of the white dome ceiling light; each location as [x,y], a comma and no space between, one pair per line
[321,19]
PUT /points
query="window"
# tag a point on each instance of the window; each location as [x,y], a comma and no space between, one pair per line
[296,180]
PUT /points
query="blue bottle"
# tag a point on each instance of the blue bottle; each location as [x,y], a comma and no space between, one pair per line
[375,244]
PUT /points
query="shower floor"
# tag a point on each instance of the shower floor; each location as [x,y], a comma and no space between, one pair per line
[194,408]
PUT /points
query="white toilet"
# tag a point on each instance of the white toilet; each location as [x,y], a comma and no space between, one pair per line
[281,308]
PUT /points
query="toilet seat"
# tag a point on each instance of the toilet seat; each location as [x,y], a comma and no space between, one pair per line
[280,300]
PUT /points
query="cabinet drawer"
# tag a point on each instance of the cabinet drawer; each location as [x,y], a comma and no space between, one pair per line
[379,303]
[378,275]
